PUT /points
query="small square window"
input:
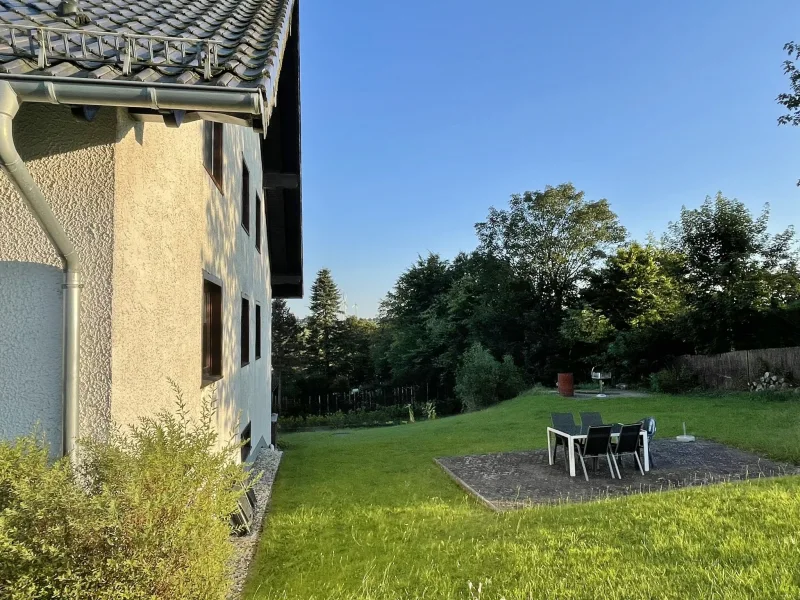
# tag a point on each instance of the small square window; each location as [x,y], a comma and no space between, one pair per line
[245,329]
[245,198]
[258,331]
[212,331]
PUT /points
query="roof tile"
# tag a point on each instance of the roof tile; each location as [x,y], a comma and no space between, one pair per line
[244,32]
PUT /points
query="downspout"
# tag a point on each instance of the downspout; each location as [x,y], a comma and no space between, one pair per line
[39,207]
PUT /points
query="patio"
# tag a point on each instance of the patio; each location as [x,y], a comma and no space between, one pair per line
[512,480]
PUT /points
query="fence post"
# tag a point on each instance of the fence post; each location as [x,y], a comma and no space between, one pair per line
[747,359]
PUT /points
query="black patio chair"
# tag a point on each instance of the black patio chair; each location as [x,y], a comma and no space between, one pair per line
[597,444]
[628,442]
[591,419]
[563,422]
[649,425]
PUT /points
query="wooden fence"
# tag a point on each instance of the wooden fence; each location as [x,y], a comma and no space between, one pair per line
[733,370]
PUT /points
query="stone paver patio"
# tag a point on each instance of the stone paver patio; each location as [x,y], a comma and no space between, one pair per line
[518,479]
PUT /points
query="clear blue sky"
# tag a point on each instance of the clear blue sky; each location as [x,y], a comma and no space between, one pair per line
[419,115]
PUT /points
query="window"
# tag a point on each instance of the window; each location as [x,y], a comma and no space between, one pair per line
[212,151]
[258,222]
[258,331]
[245,331]
[212,331]
[247,445]
[245,198]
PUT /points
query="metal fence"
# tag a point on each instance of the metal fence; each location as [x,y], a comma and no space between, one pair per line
[733,370]
[331,402]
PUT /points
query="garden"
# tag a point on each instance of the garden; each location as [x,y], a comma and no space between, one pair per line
[368,514]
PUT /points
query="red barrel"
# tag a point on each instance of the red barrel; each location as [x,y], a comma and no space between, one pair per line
[566,385]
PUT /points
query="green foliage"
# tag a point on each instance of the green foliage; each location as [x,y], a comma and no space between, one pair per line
[324,327]
[390,415]
[673,380]
[551,237]
[481,380]
[287,346]
[636,287]
[733,269]
[375,505]
[791,100]
[355,341]
[478,378]
[145,517]
[511,382]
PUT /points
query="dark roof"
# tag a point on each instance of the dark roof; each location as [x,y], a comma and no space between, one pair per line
[230,43]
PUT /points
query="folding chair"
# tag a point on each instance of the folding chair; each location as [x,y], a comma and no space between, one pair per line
[563,422]
[597,444]
[628,442]
[591,419]
[649,425]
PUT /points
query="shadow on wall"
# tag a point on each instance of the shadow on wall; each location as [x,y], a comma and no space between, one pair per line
[30,350]
[223,233]
[73,134]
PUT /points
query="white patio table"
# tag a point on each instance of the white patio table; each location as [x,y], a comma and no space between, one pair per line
[571,438]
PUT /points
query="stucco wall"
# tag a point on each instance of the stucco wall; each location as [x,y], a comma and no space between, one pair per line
[72,161]
[172,224]
[230,254]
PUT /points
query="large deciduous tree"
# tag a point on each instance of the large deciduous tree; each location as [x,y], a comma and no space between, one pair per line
[733,269]
[550,239]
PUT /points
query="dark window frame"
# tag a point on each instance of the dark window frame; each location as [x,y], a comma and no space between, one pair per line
[246,438]
[258,331]
[244,332]
[259,204]
[245,197]
[213,154]
[212,342]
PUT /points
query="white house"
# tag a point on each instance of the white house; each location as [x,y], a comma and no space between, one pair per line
[150,209]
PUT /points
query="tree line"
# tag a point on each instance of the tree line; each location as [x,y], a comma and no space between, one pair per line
[554,285]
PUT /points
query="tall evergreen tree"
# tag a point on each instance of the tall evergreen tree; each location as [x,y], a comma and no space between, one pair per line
[324,327]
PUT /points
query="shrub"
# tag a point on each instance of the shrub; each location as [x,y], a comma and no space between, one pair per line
[481,380]
[146,515]
[511,381]
[674,380]
[389,415]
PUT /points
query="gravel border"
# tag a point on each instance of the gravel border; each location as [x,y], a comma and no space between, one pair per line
[510,480]
[266,463]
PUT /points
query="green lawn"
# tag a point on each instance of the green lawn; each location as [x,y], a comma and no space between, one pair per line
[369,515]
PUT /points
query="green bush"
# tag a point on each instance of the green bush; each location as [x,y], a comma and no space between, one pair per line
[145,516]
[481,380]
[389,415]
[674,380]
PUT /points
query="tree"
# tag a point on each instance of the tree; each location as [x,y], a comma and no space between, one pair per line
[636,287]
[791,100]
[324,327]
[357,338]
[406,311]
[286,342]
[733,269]
[550,239]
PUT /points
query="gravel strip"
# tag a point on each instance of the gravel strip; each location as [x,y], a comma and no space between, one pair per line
[245,546]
